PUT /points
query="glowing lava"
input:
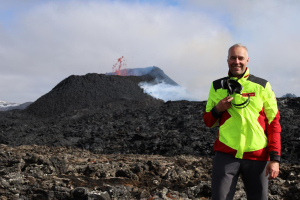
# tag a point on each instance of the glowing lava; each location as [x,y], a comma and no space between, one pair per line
[117,67]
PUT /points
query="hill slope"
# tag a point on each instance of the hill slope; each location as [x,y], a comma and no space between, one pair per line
[89,91]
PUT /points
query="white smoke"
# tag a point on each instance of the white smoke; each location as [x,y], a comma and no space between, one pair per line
[167,92]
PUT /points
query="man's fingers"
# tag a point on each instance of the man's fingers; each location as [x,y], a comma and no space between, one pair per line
[273,174]
[272,169]
[229,98]
[224,104]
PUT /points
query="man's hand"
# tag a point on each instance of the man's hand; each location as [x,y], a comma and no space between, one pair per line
[224,104]
[272,169]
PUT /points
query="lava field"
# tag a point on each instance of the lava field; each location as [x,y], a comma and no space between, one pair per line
[102,137]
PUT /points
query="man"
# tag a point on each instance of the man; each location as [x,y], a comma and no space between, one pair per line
[248,141]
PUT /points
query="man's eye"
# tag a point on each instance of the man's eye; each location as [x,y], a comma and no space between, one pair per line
[241,58]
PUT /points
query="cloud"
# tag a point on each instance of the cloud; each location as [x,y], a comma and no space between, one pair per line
[269,30]
[50,40]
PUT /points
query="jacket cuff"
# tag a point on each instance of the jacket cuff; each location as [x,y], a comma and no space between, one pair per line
[215,113]
[274,156]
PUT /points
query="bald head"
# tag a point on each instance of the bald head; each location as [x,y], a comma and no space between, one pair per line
[237,45]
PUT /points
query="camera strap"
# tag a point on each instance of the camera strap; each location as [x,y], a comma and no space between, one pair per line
[232,87]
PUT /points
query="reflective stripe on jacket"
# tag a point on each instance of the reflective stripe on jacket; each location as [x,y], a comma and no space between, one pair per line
[252,132]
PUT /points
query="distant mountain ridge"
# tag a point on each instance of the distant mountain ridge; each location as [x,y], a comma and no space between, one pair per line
[289,95]
[5,106]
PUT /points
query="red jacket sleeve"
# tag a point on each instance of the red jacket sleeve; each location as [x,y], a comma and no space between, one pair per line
[273,127]
[211,118]
[273,130]
[211,115]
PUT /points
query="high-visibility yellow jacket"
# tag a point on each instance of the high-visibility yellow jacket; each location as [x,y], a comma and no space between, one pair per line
[252,132]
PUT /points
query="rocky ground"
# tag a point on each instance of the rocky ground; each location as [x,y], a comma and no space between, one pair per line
[41,172]
[126,146]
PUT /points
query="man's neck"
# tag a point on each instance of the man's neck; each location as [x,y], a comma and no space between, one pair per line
[237,76]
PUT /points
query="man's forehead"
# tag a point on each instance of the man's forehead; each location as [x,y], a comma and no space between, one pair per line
[238,51]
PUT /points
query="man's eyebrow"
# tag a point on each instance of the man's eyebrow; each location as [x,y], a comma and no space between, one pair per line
[237,56]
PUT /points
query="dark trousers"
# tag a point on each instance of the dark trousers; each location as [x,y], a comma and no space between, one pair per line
[226,170]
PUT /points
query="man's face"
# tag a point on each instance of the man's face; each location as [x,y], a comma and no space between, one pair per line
[237,60]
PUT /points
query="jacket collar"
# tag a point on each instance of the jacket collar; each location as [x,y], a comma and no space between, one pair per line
[242,77]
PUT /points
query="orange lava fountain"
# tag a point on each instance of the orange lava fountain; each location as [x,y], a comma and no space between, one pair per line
[117,67]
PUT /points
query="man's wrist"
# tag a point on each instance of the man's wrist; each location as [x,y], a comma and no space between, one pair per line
[275,161]
[274,156]
[215,113]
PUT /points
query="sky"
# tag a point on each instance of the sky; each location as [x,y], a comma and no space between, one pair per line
[43,42]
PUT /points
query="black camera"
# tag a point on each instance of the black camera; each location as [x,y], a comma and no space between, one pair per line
[233,86]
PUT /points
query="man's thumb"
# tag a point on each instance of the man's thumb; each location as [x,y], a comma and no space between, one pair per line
[267,171]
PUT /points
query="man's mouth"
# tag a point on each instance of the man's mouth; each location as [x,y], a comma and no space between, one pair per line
[236,67]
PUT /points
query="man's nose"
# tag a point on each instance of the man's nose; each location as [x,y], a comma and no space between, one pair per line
[236,61]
